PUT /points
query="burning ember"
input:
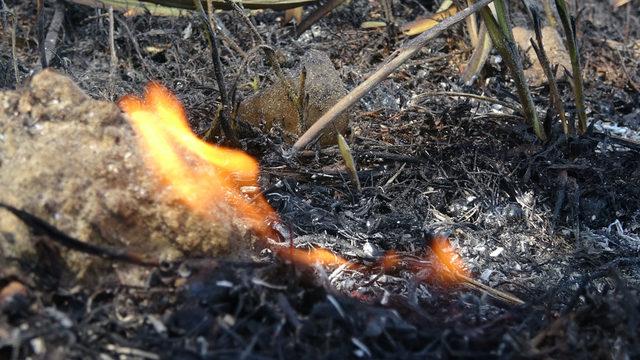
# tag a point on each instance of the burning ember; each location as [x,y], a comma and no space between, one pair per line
[449,259]
[205,176]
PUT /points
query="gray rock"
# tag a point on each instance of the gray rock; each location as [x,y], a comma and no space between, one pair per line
[74,162]
[323,87]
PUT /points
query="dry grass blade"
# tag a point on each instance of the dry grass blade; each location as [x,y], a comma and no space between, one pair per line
[479,56]
[554,93]
[419,26]
[495,293]
[500,32]
[618,3]
[345,151]
[578,87]
[472,27]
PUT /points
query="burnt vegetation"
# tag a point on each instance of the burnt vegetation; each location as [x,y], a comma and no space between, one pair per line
[554,222]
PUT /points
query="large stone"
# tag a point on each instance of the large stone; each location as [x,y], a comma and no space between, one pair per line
[74,162]
[323,87]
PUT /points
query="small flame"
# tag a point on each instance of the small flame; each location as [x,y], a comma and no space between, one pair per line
[199,174]
[449,259]
[323,257]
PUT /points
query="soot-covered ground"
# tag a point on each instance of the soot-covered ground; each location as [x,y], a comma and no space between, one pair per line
[555,224]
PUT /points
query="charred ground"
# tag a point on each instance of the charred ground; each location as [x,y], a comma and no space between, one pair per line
[427,165]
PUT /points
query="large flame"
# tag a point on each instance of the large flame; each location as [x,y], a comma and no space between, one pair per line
[206,177]
[199,174]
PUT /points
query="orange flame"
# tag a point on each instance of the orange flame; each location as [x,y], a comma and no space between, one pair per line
[199,174]
[323,257]
[449,259]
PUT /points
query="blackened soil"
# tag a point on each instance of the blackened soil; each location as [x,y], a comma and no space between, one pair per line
[556,224]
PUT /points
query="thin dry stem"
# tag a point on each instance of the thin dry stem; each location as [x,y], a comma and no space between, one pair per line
[51,39]
[473,96]
[225,114]
[14,28]
[112,45]
[495,293]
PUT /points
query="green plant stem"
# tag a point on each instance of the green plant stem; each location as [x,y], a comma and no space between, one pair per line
[506,47]
[578,87]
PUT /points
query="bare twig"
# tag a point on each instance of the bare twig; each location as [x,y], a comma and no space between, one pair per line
[396,59]
[250,56]
[554,93]
[224,33]
[51,39]
[14,28]
[632,82]
[387,7]
[174,7]
[112,44]
[136,46]
[495,293]
[134,7]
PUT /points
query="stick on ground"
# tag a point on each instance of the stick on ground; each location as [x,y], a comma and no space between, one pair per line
[51,40]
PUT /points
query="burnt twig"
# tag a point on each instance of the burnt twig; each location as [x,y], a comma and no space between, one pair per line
[40,227]
[40,20]
[317,15]
[225,114]
[554,93]
[14,59]
[495,293]
[469,95]
[51,39]
[273,62]
[113,63]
